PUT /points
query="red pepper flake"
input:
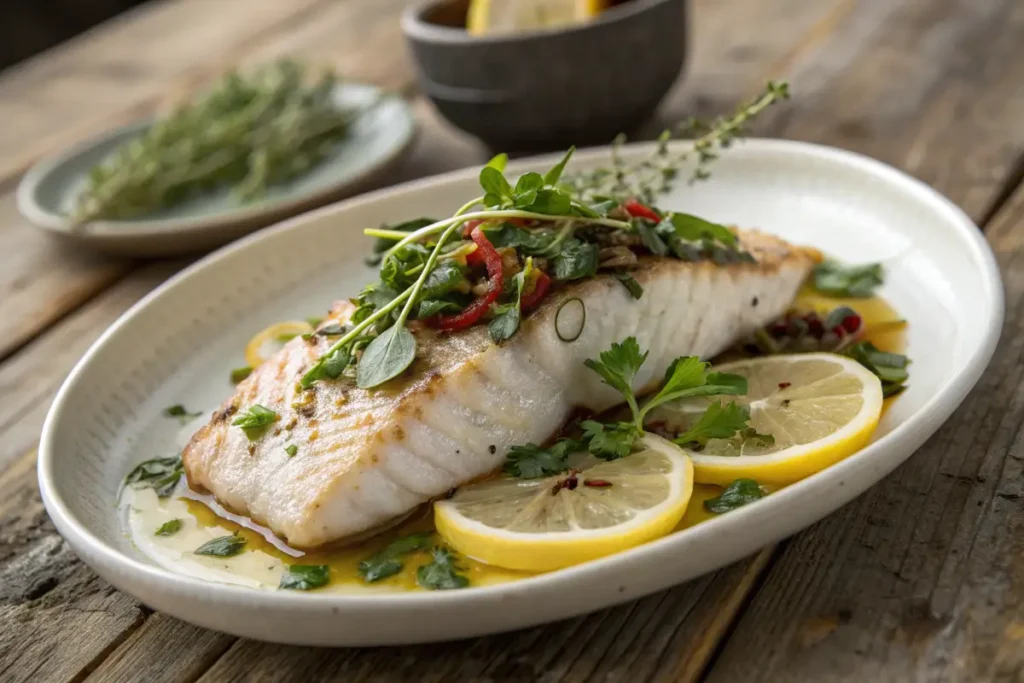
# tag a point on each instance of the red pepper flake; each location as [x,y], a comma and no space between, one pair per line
[785,385]
[570,482]
[597,483]
[638,210]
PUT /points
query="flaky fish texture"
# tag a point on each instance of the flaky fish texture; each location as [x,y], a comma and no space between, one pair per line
[365,457]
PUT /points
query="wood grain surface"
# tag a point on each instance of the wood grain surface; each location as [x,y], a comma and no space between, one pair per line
[921,579]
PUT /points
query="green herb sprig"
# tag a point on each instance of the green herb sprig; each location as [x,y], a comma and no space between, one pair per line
[255,420]
[836,279]
[737,494]
[160,474]
[304,577]
[442,573]
[252,131]
[222,546]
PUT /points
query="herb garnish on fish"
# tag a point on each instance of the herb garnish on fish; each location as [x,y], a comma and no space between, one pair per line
[386,563]
[255,420]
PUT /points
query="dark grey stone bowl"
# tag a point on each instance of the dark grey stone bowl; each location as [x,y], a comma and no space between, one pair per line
[540,90]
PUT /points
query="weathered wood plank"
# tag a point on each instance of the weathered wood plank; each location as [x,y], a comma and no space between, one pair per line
[34,374]
[166,649]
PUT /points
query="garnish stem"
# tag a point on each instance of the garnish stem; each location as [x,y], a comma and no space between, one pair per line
[480,215]
[428,266]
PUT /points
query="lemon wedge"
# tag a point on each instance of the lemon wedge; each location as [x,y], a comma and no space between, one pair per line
[507,16]
[819,408]
[269,340]
[599,508]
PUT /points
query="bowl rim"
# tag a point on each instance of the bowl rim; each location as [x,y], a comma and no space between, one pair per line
[929,417]
[415,27]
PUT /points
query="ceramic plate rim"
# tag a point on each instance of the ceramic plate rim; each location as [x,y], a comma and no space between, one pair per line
[928,417]
[188,225]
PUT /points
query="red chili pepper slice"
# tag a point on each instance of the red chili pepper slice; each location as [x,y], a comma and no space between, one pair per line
[638,210]
[540,288]
[495,279]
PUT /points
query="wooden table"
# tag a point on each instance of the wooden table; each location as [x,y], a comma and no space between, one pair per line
[920,579]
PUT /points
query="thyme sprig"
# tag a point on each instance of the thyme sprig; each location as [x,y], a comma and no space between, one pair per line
[656,174]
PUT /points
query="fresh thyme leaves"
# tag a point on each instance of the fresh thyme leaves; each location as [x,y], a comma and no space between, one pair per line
[722,421]
[631,285]
[304,577]
[169,528]
[238,374]
[291,449]
[532,461]
[655,175]
[835,279]
[179,411]
[255,420]
[159,474]
[737,494]
[252,131]
[443,572]
[890,368]
[386,563]
[222,546]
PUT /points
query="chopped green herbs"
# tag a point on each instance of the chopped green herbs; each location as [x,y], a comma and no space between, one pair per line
[238,374]
[443,572]
[575,260]
[255,420]
[890,368]
[631,285]
[386,562]
[183,414]
[835,279]
[610,441]
[159,474]
[304,577]
[291,449]
[737,494]
[169,528]
[222,546]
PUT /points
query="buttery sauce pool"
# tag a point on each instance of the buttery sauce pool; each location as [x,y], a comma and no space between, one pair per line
[265,558]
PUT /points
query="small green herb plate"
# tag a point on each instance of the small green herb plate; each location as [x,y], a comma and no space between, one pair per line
[377,141]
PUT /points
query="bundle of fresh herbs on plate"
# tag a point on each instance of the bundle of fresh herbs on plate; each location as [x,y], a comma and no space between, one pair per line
[251,131]
[504,251]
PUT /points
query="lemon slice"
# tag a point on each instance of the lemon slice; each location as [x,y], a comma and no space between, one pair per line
[819,407]
[269,340]
[507,16]
[552,522]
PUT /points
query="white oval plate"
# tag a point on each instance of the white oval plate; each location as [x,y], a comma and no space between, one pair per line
[376,141]
[178,344]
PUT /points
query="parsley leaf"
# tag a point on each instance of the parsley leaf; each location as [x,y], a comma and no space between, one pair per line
[159,474]
[442,573]
[531,461]
[255,420]
[618,366]
[835,279]
[222,546]
[610,441]
[304,577]
[632,286]
[688,376]
[385,563]
[737,494]
[719,421]
[179,411]
[169,528]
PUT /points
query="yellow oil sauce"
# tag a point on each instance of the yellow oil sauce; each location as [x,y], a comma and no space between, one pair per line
[266,558]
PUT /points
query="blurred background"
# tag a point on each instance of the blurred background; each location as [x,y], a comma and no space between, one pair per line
[30,27]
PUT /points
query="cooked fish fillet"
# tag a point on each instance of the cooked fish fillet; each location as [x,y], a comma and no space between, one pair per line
[367,456]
